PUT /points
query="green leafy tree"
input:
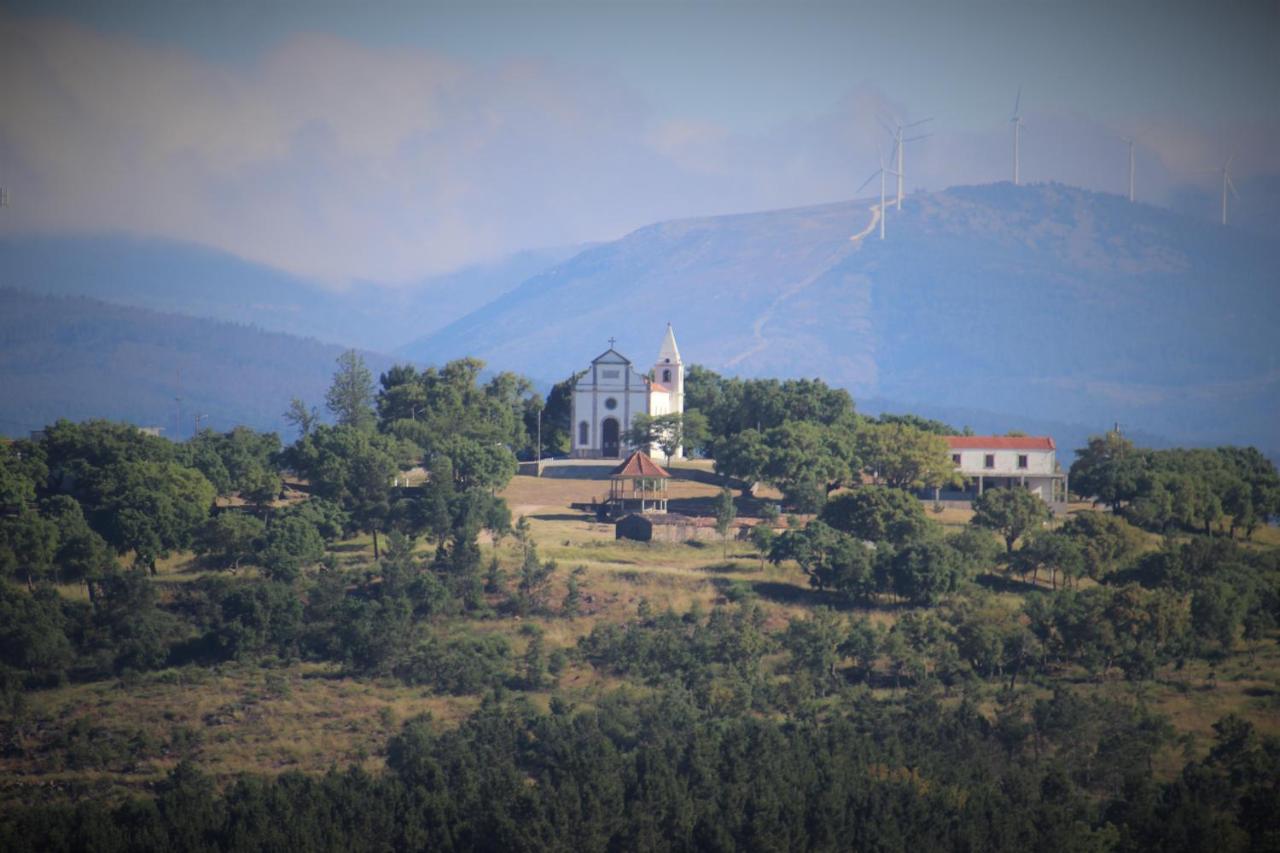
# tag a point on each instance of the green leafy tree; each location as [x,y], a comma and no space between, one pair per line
[151,508]
[82,554]
[33,635]
[925,569]
[832,560]
[557,416]
[22,472]
[353,468]
[291,544]
[1010,512]
[1054,551]
[904,457]
[300,417]
[744,456]
[350,394]
[762,539]
[815,646]
[28,547]
[1108,469]
[807,460]
[1108,543]
[230,537]
[877,514]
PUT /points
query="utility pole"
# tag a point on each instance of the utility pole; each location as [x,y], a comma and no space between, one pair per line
[198,419]
[538,464]
[1130,170]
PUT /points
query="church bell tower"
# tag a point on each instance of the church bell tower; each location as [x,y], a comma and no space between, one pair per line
[669,370]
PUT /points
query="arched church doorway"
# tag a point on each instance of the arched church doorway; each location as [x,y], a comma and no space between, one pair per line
[609,445]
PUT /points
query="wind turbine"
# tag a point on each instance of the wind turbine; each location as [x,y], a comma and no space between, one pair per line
[898,143]
[1129,141]
[1227,184]
[1016,119]
[882,172]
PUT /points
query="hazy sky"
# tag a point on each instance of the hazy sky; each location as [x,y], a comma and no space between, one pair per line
[385,142]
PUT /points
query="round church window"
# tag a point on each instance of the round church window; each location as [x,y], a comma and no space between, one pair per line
[611,404]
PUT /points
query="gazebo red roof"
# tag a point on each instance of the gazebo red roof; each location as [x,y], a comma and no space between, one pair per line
[638,464]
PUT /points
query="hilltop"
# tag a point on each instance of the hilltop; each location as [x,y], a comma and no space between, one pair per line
[1042,303]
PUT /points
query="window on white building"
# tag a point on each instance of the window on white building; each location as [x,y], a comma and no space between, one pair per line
[1022,460]
[989,460]
[584,433]
[955,458]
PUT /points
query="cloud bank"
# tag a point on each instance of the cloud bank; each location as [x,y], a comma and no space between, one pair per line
[340,163]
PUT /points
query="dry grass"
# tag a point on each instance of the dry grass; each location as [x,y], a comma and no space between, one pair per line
[308,717]
[230,720]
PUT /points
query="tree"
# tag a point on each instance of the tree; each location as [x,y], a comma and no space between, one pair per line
[534,581]
[22,472]
[1055,551]
[352,467]
[877,514]
[1108,543]
[832,560]
[474,464]
[726,512]
[762,537]
[231,537]
[82,554]
[904,457]
[291,544]
[1009,512]
[1108,469]
[28,546]
[557,416]
[924,569]
[150,508]
[350,394]
[744,456]
[815,644]
[300,417]
[806,460]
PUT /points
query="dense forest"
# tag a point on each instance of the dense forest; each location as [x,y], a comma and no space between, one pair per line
[855,668]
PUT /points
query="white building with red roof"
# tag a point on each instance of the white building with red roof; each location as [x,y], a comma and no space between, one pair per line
[1007,461]
[609,396]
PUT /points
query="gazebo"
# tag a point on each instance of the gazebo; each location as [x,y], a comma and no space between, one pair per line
[638,484]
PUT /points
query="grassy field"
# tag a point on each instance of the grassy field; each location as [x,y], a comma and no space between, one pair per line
[302,716]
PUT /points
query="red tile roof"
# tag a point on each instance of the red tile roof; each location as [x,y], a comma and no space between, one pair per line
[639,464]
[1000,442]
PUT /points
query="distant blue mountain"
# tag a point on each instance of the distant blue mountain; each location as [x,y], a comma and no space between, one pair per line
[79,358]
[1043,304]
[199,281]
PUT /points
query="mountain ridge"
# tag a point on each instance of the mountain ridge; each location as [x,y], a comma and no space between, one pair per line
[1092,309]
[76,357]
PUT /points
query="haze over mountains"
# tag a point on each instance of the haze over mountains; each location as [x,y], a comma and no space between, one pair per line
[1043,308]
[203,282]
[79,358]
[1042,303]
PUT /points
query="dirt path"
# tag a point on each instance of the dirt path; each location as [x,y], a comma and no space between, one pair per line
[757,328]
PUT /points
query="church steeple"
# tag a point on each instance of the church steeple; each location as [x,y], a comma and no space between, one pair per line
[669,371]
[669,353]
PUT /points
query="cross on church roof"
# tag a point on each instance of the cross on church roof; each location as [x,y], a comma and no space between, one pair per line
[612,341]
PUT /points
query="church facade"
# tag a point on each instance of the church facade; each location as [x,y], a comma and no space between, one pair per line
[609,396]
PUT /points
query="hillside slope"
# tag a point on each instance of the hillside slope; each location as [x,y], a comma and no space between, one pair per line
[1042,303]
[80,358]
[202,282]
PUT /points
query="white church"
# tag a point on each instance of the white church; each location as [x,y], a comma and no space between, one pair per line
[612,392]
